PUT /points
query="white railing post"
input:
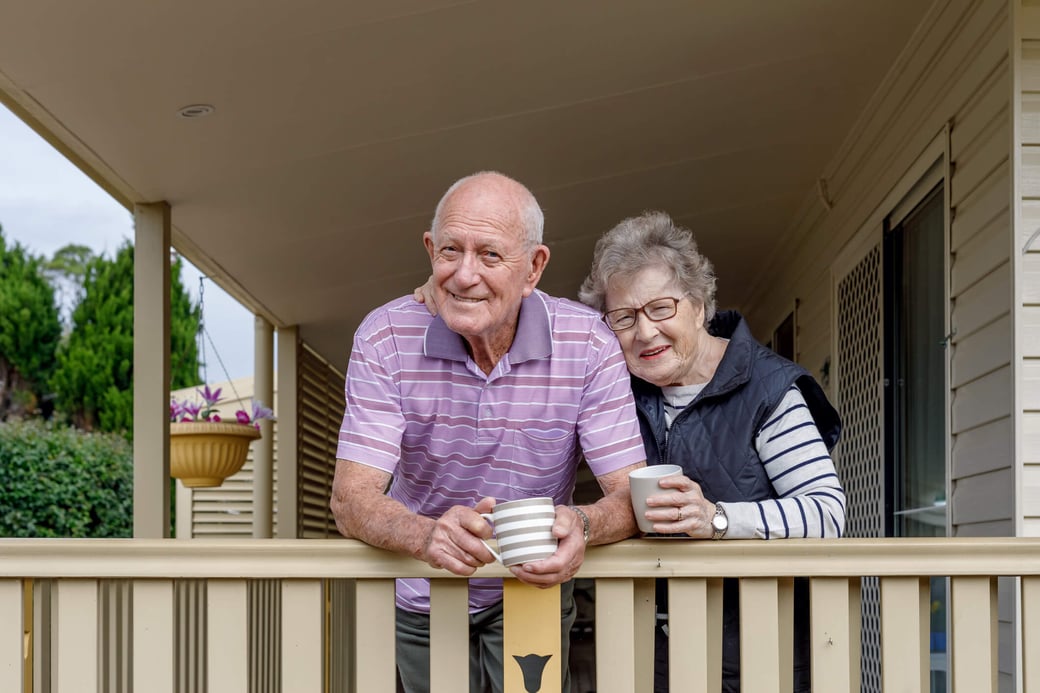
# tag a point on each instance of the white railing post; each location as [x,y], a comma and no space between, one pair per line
[449,635]
[835,640]
[11,635]
[616,646]
[227,636]
[153,632]
[303,607]
[904,633]
[973,651]
[76,646]
[644,620]
[695,634]
[766,634]
[1030,633]
[376,672]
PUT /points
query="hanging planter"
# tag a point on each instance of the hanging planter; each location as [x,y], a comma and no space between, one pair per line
[205,450]
[204,453]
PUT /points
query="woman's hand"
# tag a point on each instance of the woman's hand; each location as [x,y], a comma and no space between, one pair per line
[681,508]
[424,294]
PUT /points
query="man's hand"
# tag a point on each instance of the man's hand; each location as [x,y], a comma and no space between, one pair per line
[453,542]
[570,553]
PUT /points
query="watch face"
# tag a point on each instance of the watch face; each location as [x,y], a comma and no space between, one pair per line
[720,523]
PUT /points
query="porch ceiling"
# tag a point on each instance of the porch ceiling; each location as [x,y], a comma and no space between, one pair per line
[339,124]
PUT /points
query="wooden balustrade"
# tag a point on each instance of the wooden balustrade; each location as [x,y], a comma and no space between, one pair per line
[307,645]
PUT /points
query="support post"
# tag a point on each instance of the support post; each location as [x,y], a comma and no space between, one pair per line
[286,410]
[152,370]
[263,449]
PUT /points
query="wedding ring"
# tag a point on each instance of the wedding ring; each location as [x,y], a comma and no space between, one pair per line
[679,519]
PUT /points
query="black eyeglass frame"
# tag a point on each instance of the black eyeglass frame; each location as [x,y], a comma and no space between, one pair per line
[633,313]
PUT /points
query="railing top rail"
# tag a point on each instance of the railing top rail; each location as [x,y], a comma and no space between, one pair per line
[284,558]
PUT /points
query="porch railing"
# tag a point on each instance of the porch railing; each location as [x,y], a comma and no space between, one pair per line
[302,574]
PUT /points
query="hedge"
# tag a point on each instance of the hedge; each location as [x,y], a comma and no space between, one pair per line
[57,481]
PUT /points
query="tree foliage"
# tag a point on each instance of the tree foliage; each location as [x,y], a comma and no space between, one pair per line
[29,331]
[65,271]
[94,377]
[60,482]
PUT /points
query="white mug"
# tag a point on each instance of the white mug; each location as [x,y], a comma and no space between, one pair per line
[523,529]
[644,483]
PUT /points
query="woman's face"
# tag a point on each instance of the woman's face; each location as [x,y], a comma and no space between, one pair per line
[663,352]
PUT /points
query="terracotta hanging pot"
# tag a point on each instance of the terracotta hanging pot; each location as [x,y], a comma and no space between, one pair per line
[204,453]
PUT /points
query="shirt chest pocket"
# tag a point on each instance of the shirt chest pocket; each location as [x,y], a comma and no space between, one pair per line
[550,461]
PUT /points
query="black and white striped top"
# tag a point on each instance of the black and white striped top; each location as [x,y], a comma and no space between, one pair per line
[811,501]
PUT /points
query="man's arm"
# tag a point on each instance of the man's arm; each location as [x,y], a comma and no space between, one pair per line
[610,519]
[363,511]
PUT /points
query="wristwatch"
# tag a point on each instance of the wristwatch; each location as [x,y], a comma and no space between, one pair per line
[719,523]
[584,522]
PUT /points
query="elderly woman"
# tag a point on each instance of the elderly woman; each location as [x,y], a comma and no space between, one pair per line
[751,430]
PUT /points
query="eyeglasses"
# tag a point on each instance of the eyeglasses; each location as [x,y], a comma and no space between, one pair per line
[657,310]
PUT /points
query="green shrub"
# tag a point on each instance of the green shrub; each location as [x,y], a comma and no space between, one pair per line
[60,482]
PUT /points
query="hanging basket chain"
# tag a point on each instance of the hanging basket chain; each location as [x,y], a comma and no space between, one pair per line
[205,336]
[202,329]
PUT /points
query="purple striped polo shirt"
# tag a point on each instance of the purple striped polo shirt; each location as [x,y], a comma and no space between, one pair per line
[418,406]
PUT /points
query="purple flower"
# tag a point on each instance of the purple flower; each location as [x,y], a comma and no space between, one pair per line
[188,411]
[210,397]
[261,412]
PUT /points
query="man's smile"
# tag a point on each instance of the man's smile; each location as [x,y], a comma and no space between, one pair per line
[465,299]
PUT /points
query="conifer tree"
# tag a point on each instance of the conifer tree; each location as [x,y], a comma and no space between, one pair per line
[94,377]
[29,331]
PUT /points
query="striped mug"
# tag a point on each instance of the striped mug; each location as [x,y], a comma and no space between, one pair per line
[523,529]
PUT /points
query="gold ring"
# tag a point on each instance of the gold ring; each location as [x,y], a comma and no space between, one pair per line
[679,519]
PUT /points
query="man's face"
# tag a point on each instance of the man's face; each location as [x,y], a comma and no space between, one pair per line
[482,266]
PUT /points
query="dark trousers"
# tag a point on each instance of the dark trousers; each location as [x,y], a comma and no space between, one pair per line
[485,647]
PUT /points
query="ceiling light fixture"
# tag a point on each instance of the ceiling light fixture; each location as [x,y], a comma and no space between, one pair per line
[198,110]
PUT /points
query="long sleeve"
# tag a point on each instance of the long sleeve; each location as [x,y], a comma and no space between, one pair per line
[811,501]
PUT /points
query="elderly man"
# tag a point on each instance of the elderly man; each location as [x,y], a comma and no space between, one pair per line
[496,398]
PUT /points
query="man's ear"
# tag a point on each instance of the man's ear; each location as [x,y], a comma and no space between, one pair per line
[539,259]
[427,239]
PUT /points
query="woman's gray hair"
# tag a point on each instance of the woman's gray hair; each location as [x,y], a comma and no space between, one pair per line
[650,240]
[531,217]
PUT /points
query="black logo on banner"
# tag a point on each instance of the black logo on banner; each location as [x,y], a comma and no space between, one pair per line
[532,666]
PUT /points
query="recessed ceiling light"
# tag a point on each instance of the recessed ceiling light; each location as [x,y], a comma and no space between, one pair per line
[197,110]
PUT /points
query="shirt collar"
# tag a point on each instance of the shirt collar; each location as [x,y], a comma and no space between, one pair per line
[533,339]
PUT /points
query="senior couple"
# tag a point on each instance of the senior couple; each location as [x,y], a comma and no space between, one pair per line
[494,390]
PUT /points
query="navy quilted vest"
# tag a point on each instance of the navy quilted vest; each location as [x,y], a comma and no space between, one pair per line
[713,438]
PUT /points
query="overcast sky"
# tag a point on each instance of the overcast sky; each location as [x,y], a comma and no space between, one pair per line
[47,203]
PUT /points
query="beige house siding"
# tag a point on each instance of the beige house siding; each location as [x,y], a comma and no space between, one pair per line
[956,71]
[1029,283]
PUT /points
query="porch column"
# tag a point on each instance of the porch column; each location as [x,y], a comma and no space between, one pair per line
[288,395]
[152,370]
[263,449]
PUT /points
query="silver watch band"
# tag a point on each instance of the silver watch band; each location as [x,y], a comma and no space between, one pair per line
[585,525]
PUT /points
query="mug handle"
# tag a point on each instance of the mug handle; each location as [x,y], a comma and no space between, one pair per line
[490,518]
